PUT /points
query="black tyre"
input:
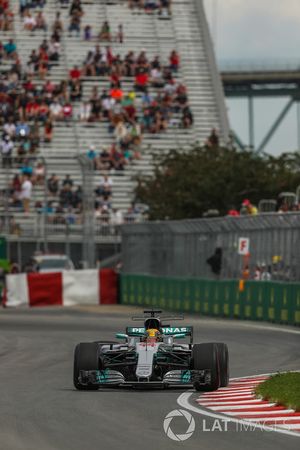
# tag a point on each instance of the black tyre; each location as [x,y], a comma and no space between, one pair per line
[205,356]
[223,363]
[86,357]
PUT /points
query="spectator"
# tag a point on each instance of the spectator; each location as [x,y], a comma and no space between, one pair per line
[120,34]
[6,16]
[215,261]
[105,34]
[75,22]
[40,22]
[165,7]
[135,4]
[68,181]
[7,146]
[26,191]
[48,131]
[87,33]
[66,196]
[141,80]
[10,49]
[75,73]
[174,61]
[53,184]
[265,273]
[67,112]
[187,117]
[10,128]
[257,273]
[39,173]
[91,154]
[76,8]
[57,26]
[105,186]
[85,112]
[56,110]
[233,212]
[54,50]
[248,209]
[29,21]
[213,140]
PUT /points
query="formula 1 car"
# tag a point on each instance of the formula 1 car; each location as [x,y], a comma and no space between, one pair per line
[151,357]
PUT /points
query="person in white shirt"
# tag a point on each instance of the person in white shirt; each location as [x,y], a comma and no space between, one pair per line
[7,147]
[106,185]
[29,22]
[56,110]
[26,192]
[265,274]
[117,217]
[10,128]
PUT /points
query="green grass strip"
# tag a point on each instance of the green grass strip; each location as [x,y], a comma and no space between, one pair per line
[283,388]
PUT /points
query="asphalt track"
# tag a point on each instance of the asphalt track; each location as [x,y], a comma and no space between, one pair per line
[40,410]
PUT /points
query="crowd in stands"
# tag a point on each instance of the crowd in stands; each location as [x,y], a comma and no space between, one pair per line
[64,205]
[163,7]
[31,105]
[155,101]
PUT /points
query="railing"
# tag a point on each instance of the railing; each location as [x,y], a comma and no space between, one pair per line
[60,225]
[183,248]
[266,65]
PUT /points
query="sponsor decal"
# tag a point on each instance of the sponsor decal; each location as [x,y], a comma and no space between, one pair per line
[166,330]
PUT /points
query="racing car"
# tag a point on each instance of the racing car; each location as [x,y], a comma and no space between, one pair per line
[151,356]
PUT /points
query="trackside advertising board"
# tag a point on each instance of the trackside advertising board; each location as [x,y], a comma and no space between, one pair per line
[271,301]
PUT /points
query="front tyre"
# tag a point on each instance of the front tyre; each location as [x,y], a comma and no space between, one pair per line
[205,356]
[86,357]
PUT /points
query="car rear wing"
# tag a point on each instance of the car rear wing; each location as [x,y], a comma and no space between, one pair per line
[167,331]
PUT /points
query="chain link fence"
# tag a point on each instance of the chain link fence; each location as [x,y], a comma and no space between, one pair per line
[182,248]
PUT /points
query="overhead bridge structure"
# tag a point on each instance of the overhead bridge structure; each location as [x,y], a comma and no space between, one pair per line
[252,81]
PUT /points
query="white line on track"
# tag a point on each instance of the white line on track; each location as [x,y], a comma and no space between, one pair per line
[255,413]
[229,396]
[274,419]
[224,408]
[239,402]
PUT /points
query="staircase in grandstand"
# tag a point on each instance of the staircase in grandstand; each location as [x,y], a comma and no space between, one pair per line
[158,36]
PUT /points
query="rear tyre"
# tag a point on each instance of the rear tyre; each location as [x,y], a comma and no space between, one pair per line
[86,357]
[205,356]
[223,363]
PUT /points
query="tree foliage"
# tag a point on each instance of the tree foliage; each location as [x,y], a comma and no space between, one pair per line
[186,184]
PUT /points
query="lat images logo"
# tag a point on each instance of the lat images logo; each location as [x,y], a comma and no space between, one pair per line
[179,413]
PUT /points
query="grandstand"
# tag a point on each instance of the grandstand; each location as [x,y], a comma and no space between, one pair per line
[185,31]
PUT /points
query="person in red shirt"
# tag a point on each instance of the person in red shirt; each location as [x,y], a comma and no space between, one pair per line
[75,73]
[233,212]
[67,111]
[116,93]
[115,79]
[31,109]
[174,61]
[141,81]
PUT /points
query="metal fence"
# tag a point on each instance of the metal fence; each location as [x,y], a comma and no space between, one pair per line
[181,248]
